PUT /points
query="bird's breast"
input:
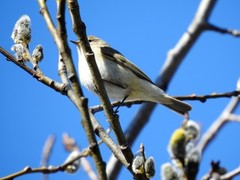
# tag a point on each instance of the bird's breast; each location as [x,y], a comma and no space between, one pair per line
[116,78]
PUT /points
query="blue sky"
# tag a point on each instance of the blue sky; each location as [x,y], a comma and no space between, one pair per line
[144,32]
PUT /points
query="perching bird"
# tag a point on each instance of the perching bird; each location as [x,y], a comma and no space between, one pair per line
[37,54]
[22,31]
[122,79]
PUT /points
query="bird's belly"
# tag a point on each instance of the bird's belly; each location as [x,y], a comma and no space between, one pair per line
[114,78]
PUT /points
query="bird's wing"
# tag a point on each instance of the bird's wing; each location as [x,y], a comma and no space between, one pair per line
[113,54]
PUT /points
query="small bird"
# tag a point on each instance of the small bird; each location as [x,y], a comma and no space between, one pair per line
[22,31]
[122,79]
[37,54]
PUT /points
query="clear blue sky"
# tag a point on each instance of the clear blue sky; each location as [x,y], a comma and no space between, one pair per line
[143,32]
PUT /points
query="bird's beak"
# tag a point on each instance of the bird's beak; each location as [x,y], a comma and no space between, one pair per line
[74,42]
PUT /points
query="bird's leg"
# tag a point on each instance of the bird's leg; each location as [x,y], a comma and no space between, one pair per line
[121,103]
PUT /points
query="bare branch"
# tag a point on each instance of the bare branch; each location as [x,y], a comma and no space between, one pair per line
[88,169]
[218,124]
[45,13]
[45,170]
[233,32]
[108,141]
[62,45]
[231,174]
[70,145]
[192,97]
[215,172]
[204,98]
[59,87]
[233,117]
[176,55]
[108,130]
[62,71]
[62,31]
[47,149]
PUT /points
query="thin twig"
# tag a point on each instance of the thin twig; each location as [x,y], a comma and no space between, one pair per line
[45,13]
[115,149]
[47,150]
[65,50]
[34,64]
[88,169]
[59,87]
[62,46]
[233,32]
[192,97]
[218,124]
[45,170]
[231,174]
[233,117]
[71,145]
[204,98]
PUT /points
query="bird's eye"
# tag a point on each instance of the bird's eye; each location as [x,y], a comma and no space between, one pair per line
[90,40]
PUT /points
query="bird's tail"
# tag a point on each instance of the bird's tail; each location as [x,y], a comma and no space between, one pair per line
[177,105]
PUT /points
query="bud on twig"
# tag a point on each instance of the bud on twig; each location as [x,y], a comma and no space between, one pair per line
[150,167]
[20,52]
[22,31]
[37,54]
[168,172]
[72,168]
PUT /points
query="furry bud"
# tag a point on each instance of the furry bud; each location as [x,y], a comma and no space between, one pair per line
[149,167]
[168,172]
[37,54]
[22,31]
[72,168]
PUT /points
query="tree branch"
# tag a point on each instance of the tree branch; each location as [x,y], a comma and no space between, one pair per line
[47,150]
[70,146]
[59,87]
[218,124]
[193,97]
[45,170]
[233,32]
[231,174]
[62,45]
[233,117]
[108,141]
[204,98]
